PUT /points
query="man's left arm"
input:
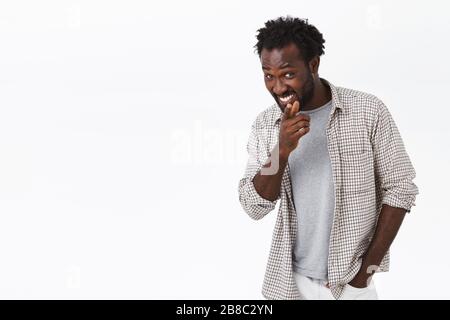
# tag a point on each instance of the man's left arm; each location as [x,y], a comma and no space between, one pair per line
[394,174]
[389,222]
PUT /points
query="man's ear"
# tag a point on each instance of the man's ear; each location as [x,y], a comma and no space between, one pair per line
[314,64]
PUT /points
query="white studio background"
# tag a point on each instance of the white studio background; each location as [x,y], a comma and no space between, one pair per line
[123,127]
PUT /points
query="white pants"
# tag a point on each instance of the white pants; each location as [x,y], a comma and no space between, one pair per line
[313,289]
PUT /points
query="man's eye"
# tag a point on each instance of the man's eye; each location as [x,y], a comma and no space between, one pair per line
[268,76]
[289,75]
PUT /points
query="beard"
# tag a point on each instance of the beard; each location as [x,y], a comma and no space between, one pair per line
[308,91]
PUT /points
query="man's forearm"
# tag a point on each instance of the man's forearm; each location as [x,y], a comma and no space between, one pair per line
[267,181]
[388,224]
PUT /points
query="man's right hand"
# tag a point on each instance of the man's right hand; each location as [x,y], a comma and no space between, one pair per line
[292,128]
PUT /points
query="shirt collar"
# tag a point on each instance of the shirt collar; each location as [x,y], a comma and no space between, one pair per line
[334,97]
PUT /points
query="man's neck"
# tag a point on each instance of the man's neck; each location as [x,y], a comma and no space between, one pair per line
[322,94]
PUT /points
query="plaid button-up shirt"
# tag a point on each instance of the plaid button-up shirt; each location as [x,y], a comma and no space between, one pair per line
[370,167]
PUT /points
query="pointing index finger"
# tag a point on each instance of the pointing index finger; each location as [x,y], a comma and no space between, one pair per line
[295,108]
[287,111]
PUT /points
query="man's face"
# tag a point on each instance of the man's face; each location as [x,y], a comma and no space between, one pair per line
[287,77]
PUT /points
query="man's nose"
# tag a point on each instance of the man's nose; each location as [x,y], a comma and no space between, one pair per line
[280,88]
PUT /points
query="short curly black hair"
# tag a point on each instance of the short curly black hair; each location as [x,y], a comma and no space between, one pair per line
[284,30]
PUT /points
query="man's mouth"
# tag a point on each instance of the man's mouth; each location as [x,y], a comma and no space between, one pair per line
[287,98]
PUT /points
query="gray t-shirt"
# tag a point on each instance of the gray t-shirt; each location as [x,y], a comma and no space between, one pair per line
[313,194]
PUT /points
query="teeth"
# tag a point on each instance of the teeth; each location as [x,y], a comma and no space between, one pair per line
[286,99]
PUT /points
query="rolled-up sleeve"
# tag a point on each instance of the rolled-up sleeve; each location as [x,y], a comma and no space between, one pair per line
[253,204]
[393,169]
